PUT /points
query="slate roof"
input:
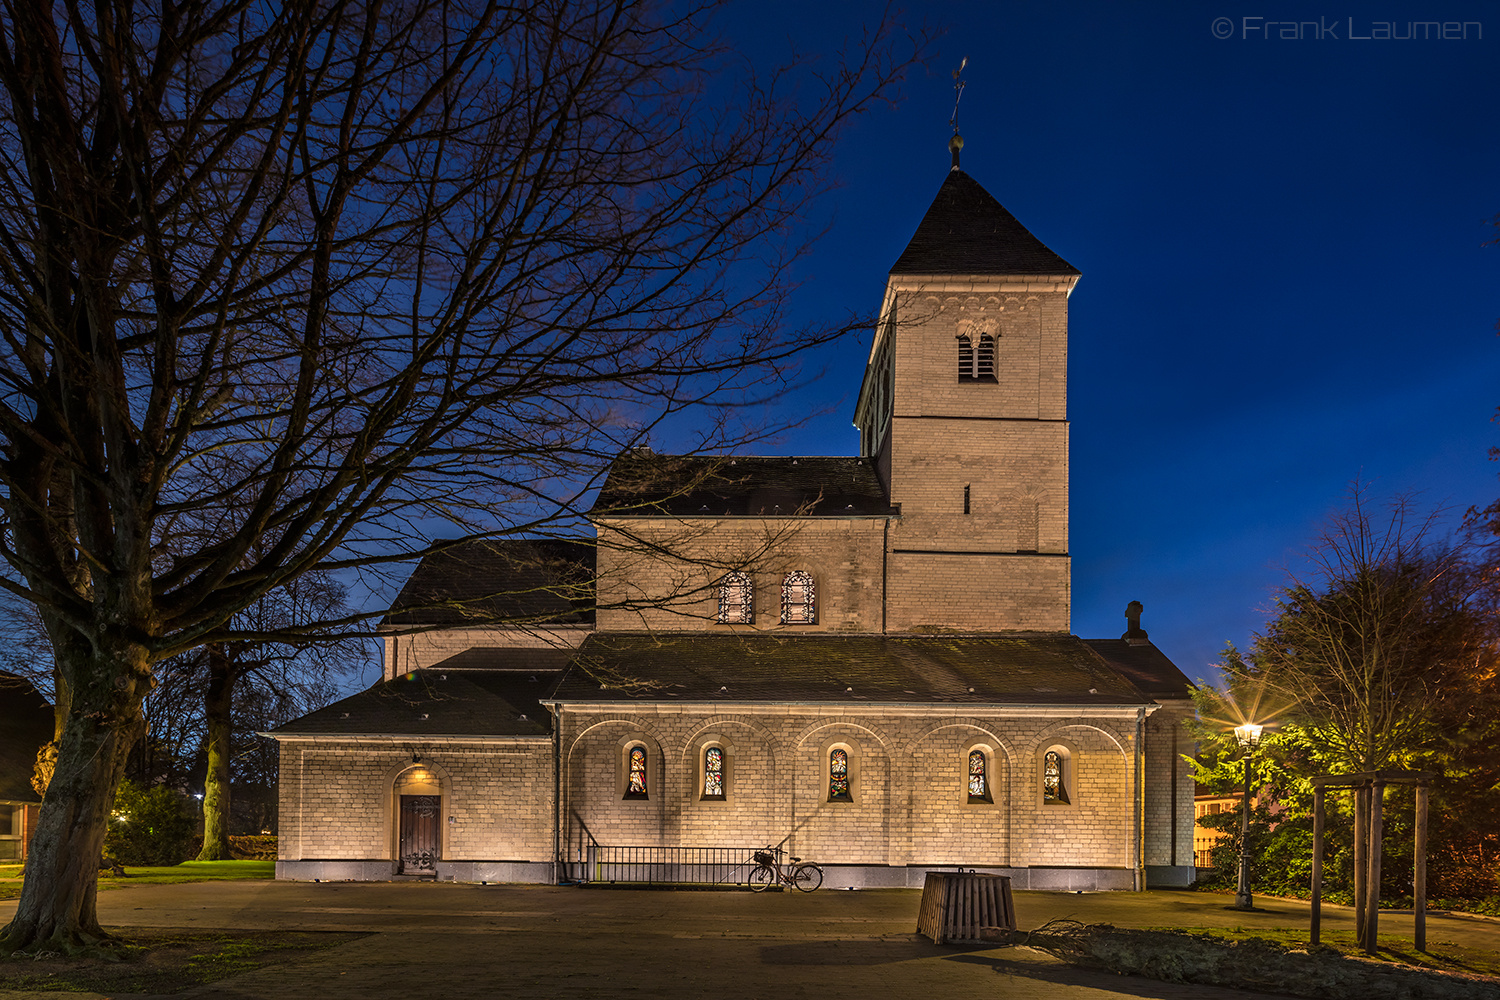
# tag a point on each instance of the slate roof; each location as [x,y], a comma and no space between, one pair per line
[648,484]
[1147,667]
[25,724]
[437,702]
[915,670]
[966,231]
[538,582]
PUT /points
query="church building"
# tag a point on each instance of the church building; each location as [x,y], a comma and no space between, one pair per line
[867,660]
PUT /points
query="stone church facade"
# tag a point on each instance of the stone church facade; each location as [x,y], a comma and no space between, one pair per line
[866,660]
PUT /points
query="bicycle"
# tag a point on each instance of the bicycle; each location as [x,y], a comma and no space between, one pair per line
[769,871]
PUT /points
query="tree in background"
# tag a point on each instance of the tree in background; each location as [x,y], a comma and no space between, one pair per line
[1381,646]
[1386,656]
[308,284]
[200,719]
[267,679]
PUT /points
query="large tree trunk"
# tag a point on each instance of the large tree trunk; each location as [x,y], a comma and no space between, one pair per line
[57,907]
[216,709]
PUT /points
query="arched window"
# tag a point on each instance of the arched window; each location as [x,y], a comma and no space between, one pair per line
[713,773]
[1054,779]
[979,777]
[736,606]
[984,366]
[799,603]
[838,775]
[635,773]
[976,362]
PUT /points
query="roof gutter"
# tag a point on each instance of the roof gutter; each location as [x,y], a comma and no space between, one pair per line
[1046,709]
[395,738]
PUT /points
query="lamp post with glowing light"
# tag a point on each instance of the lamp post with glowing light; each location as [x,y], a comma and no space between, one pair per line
[1248,737]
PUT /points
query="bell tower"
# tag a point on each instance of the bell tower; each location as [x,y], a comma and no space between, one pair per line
[964,410]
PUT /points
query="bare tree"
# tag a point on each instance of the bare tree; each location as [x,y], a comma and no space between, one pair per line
[299,672]
[308,281]
[1375,645]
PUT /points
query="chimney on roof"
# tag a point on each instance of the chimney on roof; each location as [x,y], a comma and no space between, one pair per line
[1135,635]
[955,146]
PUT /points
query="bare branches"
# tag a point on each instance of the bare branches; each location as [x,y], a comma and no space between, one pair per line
[289,272]
[1371,645]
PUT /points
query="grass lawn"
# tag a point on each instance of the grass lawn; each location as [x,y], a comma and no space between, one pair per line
[1444,956]
[167,962]
[188,871]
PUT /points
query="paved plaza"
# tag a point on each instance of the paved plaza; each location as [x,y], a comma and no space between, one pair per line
[460,941]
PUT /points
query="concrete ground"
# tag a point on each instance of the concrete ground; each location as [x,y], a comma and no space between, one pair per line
[460,941]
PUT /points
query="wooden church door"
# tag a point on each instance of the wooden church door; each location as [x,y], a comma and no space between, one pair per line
[420,844]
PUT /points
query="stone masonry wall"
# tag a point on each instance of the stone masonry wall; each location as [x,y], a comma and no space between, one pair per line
[977,593]
[338,799]
[1168,773]
[908,777]
[667,577]
[979,467]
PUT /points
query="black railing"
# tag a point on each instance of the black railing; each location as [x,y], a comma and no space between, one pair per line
[668,865]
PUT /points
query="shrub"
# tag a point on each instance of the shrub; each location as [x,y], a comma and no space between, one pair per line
[150,826]
[257,848]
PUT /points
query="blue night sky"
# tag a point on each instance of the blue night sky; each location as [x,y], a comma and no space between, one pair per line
[1284,287]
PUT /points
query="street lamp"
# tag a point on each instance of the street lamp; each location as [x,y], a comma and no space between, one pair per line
[1248,737]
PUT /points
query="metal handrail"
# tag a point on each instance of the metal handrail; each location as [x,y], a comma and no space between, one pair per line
[647,865]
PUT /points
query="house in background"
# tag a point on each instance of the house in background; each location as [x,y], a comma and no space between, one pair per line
[1205,838]
[26,725]
[866,659]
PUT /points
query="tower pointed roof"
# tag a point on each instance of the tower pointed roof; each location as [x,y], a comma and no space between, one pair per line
[966,231]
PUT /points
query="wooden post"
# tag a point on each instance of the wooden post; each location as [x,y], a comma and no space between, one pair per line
[1372,884]
[1317,863]
[1361,834]
[1419,862]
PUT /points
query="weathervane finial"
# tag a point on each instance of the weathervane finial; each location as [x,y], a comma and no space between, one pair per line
[956,143]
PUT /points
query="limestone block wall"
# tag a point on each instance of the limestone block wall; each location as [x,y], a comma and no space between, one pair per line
[866,830]
[1028,317]
[1097,821]
[977,592]
[945,827]
[337,799]
[908,776]
[664,573]
[1169,786]
[1015,473]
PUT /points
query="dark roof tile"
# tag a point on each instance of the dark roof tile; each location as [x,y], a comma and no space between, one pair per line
[1147,667]
[966,231]
[437,702]
[525,582]
[646,484]
[977,669]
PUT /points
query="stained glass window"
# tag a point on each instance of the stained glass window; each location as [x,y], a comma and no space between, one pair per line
[636,788]
[799,604]
[713,773]
[1054,789]
[735,604]
[979,782]
[838,776]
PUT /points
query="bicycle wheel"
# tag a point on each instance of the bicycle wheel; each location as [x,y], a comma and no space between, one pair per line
[761,878]
[807,877]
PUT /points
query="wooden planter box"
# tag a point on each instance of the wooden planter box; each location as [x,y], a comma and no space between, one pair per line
[966,908]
